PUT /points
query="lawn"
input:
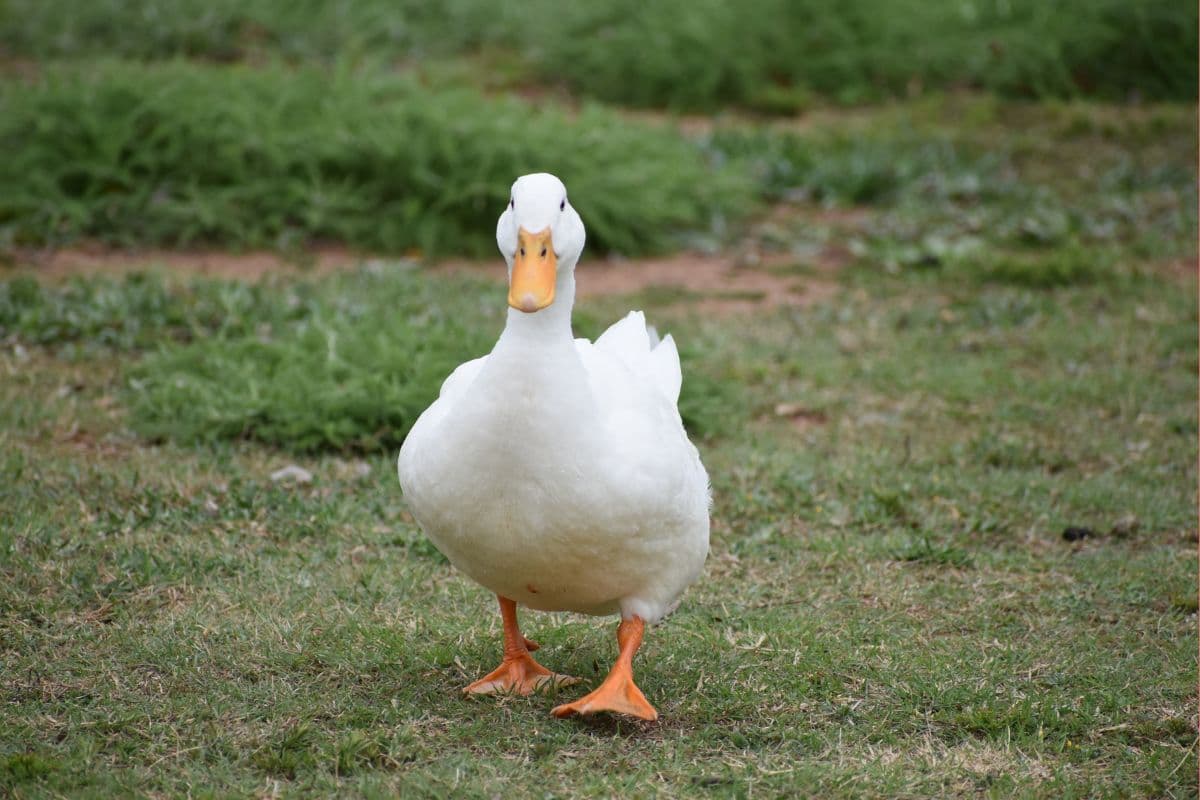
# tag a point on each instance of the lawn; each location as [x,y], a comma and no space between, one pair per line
[953,447]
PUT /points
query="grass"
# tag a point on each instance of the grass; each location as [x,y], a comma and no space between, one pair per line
[82,319]
[889,608]
[849,168]
[775,56]
[344,363]
[969,190]
[767,55]
[348,365]
[183,154]
[961,154]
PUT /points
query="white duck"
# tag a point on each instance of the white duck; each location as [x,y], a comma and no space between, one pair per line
[556,472]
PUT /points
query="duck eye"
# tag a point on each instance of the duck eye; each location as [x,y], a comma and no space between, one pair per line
[563,205]
[512,203]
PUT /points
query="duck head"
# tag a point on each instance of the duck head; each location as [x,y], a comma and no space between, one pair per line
[541,237]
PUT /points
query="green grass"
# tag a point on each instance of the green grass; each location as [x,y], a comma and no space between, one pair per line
[836,167]
[974,153]
[767,55]
[889,607]
[85,318]
[774,55]
[968,189]
[344,363]
[348,365]
[182,154]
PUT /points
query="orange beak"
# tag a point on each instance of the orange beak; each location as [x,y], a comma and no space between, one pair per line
[534,272]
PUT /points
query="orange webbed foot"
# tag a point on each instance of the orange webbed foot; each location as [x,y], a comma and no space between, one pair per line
[518,674]
[618,694]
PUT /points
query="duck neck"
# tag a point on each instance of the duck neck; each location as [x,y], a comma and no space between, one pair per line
[549,327]
[536,369]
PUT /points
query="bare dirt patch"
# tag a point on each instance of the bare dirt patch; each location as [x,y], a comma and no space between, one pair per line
[723,283]
[1179,269]
[709,283]
[249,266]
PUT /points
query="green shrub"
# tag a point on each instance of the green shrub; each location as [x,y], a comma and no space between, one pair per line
[706,54]
[227,30]
[694,54]
[183,154]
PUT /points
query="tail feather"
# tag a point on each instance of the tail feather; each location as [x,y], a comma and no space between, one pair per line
[639,346]
[665,358]
[626,337]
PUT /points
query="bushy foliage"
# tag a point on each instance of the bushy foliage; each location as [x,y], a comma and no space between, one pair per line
[698,54]
[773,54]
[181,154]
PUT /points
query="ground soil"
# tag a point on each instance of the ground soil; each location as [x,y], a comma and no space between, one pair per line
[722,283]
[251,266]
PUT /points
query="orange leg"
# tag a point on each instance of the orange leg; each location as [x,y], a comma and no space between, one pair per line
[518,673]
[618,693]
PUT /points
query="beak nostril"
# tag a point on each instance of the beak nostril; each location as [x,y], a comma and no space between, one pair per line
[543,252]
[522,251]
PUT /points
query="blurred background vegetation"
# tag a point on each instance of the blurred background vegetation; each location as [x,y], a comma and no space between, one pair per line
[932,269]
[771,55]
[395,129]
[393,126]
